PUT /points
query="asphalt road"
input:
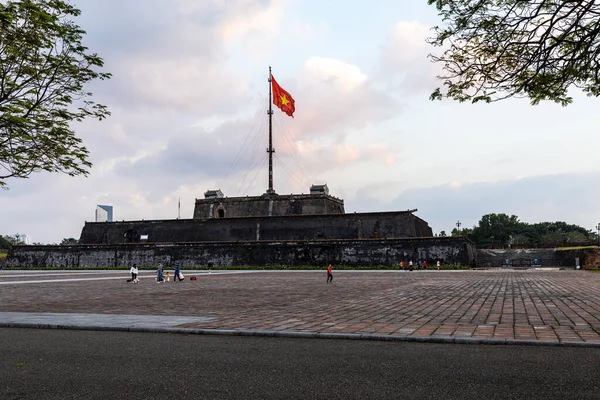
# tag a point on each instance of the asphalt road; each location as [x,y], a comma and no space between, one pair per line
[64,364]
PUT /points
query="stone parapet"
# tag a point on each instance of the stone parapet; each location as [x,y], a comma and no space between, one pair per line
[366,252]
[382,225]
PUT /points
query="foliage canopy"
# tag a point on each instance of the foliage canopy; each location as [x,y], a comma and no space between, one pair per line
[4,243]
[43,69]
[495,49]
[504,230]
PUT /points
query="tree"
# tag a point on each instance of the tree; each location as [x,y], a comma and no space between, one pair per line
[576,238]
[69,241]
[43,69]
[443,234]
[5,244]
[495,228]
[495,49]
[519,239]
[555,238]
[461,232]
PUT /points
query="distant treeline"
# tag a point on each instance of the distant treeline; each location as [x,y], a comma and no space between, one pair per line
[502,230]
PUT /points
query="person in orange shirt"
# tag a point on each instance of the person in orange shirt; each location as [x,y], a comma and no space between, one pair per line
[329,274]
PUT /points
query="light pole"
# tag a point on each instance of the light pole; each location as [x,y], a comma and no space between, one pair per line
[598,228]
[458,224]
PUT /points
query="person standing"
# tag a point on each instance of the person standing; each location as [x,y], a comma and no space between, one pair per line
[424,264]
[159,273]
[438,264]
[176,273]
[134,273]
[329,274]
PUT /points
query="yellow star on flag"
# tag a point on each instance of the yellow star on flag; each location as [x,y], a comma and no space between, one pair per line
[284,100]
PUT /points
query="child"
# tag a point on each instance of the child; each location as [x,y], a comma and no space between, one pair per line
[329,274]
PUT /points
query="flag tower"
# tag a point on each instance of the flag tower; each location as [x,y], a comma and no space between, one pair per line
[270,150]
[286,103]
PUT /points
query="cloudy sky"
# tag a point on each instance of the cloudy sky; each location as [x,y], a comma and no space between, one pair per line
[189,95]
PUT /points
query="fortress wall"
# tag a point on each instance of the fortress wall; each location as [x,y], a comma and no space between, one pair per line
[332,226]
[422,228]
[546,257]
[290,253]
[263,206]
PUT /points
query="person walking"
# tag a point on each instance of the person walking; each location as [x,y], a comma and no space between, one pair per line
[329,274]
[176,273]
[134,273]
[438,264]
[424,264]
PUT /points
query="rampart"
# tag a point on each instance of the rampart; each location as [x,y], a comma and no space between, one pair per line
[267,206]
[382,225]
[366,252]
[527,258]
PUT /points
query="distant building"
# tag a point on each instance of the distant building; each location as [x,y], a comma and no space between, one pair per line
[22,238]
[319,189]
[104,213]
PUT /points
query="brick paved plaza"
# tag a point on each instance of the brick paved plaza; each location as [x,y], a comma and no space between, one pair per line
[532,305]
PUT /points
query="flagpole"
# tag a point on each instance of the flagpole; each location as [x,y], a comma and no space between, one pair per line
[270,150]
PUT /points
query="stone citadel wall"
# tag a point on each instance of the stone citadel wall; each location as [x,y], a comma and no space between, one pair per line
[295,227]
[370,252]
[522,257]
[264,206]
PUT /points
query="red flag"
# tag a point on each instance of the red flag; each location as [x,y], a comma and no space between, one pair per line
[283,99]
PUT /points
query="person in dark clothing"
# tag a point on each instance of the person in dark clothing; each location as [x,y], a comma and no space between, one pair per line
[176,275]
[329,274]
[159,273]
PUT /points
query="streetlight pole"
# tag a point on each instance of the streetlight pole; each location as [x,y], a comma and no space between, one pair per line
[458,224]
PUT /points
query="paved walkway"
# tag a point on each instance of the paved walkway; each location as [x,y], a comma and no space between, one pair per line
[545,307]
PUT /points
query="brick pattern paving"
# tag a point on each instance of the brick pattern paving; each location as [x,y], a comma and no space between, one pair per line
[532,305]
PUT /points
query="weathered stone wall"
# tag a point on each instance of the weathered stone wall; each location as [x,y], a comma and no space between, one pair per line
[267,205]
[590,258]
[299,227]
[371,252]
[547,257]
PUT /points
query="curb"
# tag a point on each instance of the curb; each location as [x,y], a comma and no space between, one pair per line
[309,335]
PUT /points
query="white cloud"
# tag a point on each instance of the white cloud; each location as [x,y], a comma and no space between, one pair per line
[251,16]
[340,75]
[181,83]
[404,57]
